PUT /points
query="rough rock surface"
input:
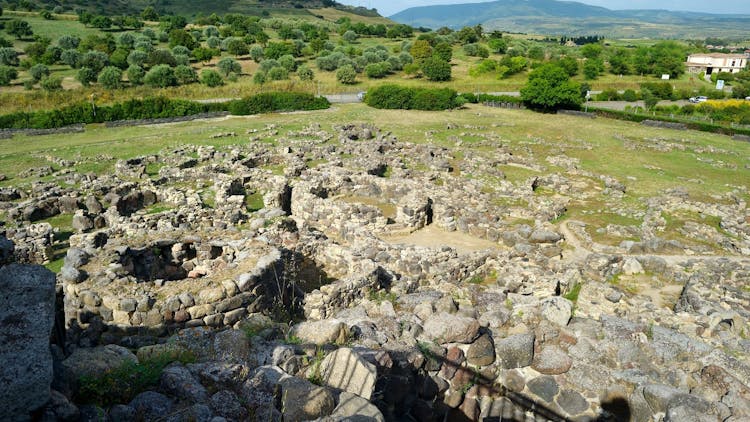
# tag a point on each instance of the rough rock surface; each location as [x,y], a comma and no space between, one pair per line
[27,305]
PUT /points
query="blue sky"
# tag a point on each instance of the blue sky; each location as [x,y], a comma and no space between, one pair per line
[389,7]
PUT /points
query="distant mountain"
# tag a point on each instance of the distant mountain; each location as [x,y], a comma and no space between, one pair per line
[568,17]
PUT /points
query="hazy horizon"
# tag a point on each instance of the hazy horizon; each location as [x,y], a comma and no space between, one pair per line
[391,7]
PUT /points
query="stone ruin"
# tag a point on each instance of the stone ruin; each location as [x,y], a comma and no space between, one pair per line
[324,303]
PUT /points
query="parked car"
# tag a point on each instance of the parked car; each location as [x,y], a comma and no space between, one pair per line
[698,99]
[747,98]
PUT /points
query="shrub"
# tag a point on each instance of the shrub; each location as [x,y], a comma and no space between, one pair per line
[67,42]
[347,75]
[136,74]
[161,56]
[287,62]
[110,77]
[476,50]
[7,74]
[51,83]
[211,78]
[305,73]
[629,95]
[38,71]
[259,78]
[277,101]
[8,56]
[398,97]
[95,60]
[229,65]
[278,73]
[377,70]
[185,74]
[160,76]
[86,75]
[435,69]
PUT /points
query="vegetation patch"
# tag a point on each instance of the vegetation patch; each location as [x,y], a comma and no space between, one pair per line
[408,98]
[122,384]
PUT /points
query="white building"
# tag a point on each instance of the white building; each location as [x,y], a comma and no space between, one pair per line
[716,62]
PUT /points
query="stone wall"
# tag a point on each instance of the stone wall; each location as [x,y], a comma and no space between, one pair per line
[149,292]
[9,133]
[27,307]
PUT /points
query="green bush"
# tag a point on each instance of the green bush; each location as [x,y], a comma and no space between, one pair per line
[406,98]
[211,78]
[346,75]
[110,77]
[7,74]
[435,69]
[160,76]
[277,101]
[629,95]
[51,83]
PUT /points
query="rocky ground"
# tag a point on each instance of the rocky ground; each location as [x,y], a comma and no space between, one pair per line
[338,271]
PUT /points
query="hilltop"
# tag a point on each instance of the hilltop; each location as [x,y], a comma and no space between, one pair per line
[564,17]
[200,7]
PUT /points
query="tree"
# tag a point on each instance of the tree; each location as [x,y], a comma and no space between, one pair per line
[278,73]
[350,36]
[591,51]
[259,78]
[649,99]
[101,22]
[149,14]
[137,58]
[346,75]
[444,51]
[592,68]
[256,53]
[211,78]
[136,74]
[181,37]
[498,45]
[236,46]
[569,64]
[86,75]
[161,56]
[468,35]
[305,73]
[38,71]
[288,63]
[67,42]
[7,74]
[619,62]
[18,28]
[377,70]
[110,77]
[185,75]
[436,69]
[160,76]
[420,50]
[51,83]
[119,58]
[95,60]
[228,65]
[204,55]
[549,88]
[8,56]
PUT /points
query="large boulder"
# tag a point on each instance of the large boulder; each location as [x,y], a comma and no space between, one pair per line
[302,400]
[451,328]
[321,332]
[91,362]
[346,370]
[27,306]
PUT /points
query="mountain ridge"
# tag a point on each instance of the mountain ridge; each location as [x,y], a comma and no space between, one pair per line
[540,15]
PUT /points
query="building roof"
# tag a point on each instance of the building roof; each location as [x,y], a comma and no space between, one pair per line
[719,55]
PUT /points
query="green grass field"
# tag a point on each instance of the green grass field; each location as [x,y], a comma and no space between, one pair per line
[711,167]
